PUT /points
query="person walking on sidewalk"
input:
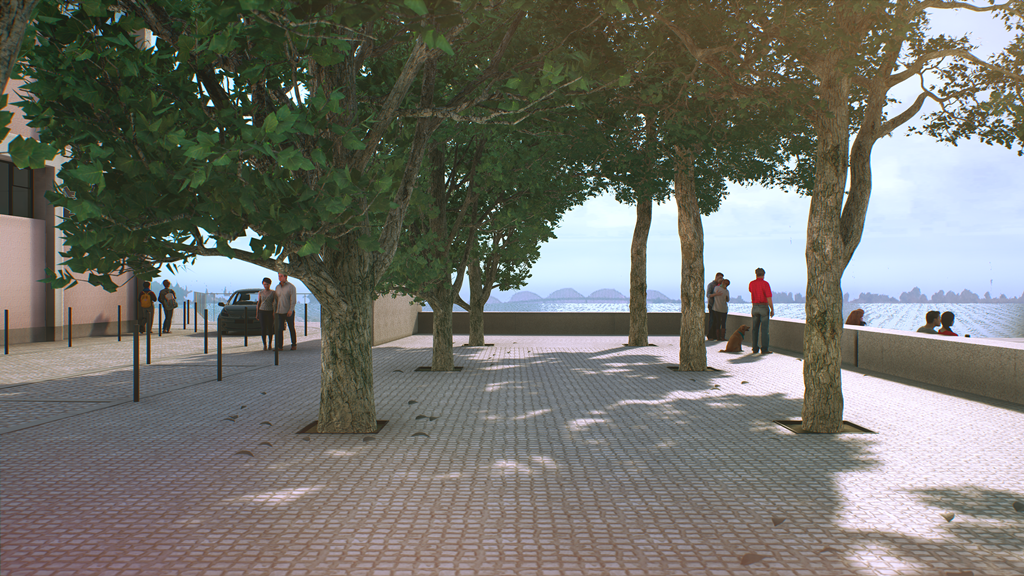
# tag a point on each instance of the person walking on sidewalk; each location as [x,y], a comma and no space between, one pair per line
[710,332]
[147,300]
[760,312]
[168,301]
[285,310]
[265,313]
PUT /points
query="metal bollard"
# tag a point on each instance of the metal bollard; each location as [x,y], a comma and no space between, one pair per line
[206,333]
[135,355]
[160,320]
[118,322]
[220,374]
[245,327]
[195,319]
[6,350]
[305,319]
[70,324]
[276,363]
[149,335]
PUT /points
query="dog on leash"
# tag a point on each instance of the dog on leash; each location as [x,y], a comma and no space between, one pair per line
[735,343]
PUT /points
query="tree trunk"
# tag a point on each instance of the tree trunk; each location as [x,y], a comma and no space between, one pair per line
[344,286]
[14,21]
[638,275]
[477,300]
[692,352]
[443,357]
[823,395]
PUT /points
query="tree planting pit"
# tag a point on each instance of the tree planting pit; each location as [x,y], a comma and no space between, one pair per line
[796,427]
[311,429]
[429,369]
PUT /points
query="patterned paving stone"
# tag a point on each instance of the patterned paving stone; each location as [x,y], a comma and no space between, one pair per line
[545,456]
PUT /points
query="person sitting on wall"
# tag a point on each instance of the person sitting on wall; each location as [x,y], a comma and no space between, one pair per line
[931,322]
[947,323]
[856,318]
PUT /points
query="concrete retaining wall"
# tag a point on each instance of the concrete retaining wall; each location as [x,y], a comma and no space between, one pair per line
[394,317]
[986,367]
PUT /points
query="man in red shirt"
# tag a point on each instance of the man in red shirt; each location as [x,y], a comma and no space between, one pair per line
[761,311]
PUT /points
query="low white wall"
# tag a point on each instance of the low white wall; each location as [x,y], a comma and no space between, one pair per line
[983,366]
[986,367]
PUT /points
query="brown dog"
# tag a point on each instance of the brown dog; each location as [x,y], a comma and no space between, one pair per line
[736,340]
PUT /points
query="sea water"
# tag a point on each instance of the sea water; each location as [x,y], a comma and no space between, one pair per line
[978,320]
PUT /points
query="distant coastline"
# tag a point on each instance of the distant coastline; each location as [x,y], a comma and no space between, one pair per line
[914,296]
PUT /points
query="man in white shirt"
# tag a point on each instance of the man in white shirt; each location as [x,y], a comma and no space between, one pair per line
[285,311]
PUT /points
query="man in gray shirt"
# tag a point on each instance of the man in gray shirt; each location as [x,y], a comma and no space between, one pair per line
[932,319]
[285,311]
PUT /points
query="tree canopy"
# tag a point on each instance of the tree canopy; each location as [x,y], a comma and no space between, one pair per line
[304,122]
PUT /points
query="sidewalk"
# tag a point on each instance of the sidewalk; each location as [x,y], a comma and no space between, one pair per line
[543,456]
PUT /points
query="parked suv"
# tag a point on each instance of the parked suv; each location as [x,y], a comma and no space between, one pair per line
[232,317]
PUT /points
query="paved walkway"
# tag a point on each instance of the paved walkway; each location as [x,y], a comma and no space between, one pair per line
[543,456]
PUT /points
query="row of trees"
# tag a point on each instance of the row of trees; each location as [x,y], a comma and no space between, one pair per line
[417,145]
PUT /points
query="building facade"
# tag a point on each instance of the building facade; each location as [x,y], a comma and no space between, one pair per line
[30,243]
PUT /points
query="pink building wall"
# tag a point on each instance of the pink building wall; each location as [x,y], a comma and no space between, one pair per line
[22,261]
[30,246]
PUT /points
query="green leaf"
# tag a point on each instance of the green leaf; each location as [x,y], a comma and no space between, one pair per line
[270,123]
[313,246]
[337,204]
[319,157]
[327,55]
[58,282]
[95,8]
[186,43]
[104,281]
[443,44]
[353,143]
[198,178]
[292,159]
[225,249]
[84,209]
[197,151]
[417,6]
[222,43]
[29,153]
[90,174]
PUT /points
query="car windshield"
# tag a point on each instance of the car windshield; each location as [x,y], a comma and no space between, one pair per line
[244,299]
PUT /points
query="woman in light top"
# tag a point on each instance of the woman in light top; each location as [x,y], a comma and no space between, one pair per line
[720,309]
[265,314]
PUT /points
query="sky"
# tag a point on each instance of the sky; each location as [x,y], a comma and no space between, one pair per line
[940,218]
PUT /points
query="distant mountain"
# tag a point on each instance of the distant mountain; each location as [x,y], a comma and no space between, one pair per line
[869,298]
[525,296]
[655,296]
[607,295]
[566,295]
[493,300]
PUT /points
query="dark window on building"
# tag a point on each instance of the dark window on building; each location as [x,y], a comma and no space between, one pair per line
[15,191]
